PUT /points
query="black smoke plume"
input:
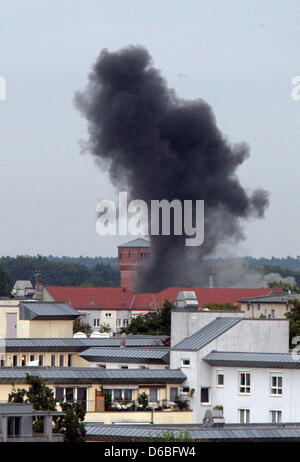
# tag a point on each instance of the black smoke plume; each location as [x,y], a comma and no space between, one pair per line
[158,146]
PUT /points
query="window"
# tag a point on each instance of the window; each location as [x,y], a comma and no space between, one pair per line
[119,322]
[125,322]
[276,385]
[41,360]
[71,394]
[153,394]
[96,322]
[244,416]
[15,360]
[220,379]
[70,360]
[23,360]
[61,360]
[108,315]
[53,360]
[32,358]
[173,393]
[275,416]
[2,361]
[13,426]
[117,395]
[204,395]
[185,362]
[128,395]
[273,313]
[185,390]
[244,379]
[123,367]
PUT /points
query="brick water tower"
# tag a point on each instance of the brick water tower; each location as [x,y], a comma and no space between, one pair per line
[130,255]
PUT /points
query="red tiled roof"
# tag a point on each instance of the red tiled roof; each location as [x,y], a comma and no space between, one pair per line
[92,297]
[121,298]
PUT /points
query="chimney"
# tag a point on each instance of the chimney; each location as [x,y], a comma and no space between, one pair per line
[39,292]
[123,340]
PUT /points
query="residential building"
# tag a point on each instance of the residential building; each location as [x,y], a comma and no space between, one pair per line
[116,306]
[269,306]
[85,352]
[19,318]
[240,364]
[123,387]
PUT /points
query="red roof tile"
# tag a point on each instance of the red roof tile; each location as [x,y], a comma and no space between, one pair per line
[121,298]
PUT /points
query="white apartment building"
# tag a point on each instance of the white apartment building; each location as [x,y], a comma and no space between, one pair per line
[242,365]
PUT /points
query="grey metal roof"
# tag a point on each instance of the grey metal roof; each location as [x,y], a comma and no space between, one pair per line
[23,345]
[273,298]
[139,242]
[47,310]
[205,335]
[245,359]
[60,375]
[128,355]
[155,432]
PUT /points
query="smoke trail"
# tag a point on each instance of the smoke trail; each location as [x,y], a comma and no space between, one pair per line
[159,146]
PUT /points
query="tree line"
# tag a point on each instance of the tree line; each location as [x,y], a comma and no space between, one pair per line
[55,272]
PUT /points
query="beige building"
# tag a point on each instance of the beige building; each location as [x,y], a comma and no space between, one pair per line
[274,306]
[122,387]
[29,319]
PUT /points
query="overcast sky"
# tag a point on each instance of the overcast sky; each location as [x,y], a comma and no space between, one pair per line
[238,56]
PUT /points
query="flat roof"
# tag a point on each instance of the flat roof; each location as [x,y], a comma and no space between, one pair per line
[127,355]
[246,359]
[264,432]
[23,345]
[85,375]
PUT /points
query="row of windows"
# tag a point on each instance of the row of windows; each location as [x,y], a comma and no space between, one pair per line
[275,416]
[127,394]
[245,382]
[244,387]
[125,366]
[24,360]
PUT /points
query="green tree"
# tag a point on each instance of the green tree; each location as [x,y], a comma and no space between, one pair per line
[155,323]
[80,326]
[294,317]
[71,423]
[5,283]
[105,328]
[39,395]
[170,436]
[42,399]
[221,307]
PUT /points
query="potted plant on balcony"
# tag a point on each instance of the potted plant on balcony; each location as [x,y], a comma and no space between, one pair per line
[143,402]
[181,404]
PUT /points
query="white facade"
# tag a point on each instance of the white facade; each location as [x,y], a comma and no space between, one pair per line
[248,335]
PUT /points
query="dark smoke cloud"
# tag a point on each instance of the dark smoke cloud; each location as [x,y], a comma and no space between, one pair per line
[159,146]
